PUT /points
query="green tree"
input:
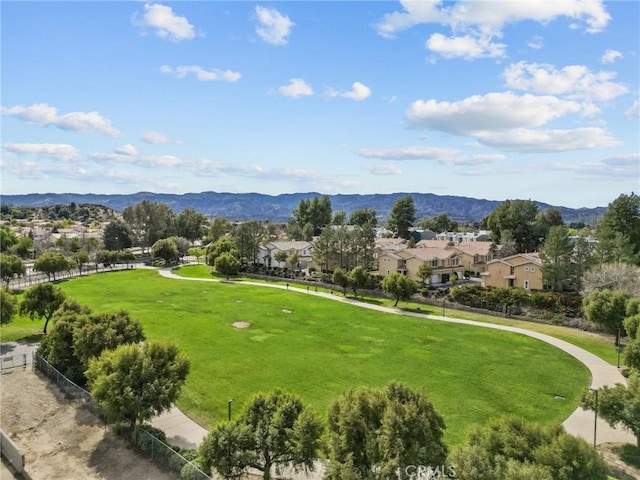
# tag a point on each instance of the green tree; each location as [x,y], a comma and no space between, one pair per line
[126,256]
[222,245]
[150,222]
[11,266]
[280,256]
[136,382]
[424,272]
[24,247]
[97,332]
[274,430]
[632,353]
[339,218]
[197,252]
[364,217]
[8,305]
[8,238]
[227,264]
[556,257]
[116,236]
[41,301]
[51,263]
[309,218]
[219,227]
[341,278]
[166,249]
[519,218]
[377,433]
[190,224]
[510,447]
[80,259]
[248,237]
[606,308]
[324,251]
[293,260]
[402,217]
[398,286]
[358,278]
[618,405]
[622,221]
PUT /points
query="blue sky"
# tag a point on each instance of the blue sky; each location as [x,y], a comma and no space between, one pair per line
[530,99]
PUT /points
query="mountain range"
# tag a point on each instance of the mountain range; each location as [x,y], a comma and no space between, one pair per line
[278,208]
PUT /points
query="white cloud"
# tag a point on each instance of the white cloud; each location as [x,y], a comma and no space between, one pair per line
[273,27]
[634,110]
[385,169]
[572,81]
[44,115]
[475,24]
[490,112]
[462,14]
[127,149]
[528,140]
[614,168]
[202,74]
[57,151]
[408,153]
[481,159]
[610,56]
[536,42]
[297,88]
[466,46]
[358,92]
[166,23]
[157,138]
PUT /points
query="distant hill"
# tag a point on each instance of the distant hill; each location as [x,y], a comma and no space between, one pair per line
[278,208]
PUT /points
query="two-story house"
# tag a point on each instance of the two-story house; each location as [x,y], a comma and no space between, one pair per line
[523,270]
[267,252]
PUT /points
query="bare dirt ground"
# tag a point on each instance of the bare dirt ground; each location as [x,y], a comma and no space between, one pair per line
[61,441]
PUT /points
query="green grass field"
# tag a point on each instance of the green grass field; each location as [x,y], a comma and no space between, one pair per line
[319,348]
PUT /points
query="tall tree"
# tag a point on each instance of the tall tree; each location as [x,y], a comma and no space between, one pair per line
[222,245]
[402,217]
[274,430]
[612,276]
[190,224]
[51,263]
[135,382]
[399,286]
[248,237]
[622,220]
[424,272]
[557,259]
[309,218]
[219,227]
[41,301]
[227,264]
[341,278]
[375,433]
[116,236]
[80,259]
[150,222]
[363,217]
[520,218]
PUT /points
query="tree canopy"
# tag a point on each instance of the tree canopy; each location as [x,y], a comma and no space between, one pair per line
[399,286]
[8,305]
[51,263]
[10,266]
[377,433]
[607,308]
[117,236]
[274,430]
[135,382]
[619,229]
[41,301]
[402,217]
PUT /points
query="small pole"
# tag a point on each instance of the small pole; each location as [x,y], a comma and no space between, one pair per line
[618,343]
[595,420]
[229,406]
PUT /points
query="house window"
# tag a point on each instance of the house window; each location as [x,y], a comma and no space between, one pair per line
[532,269]
[526,284]
[434,263]
[526,269]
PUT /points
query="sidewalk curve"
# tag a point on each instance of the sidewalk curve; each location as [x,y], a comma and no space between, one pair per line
[580,423]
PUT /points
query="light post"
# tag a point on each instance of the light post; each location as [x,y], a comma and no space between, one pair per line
[595,420]
[229,407]
[618,343]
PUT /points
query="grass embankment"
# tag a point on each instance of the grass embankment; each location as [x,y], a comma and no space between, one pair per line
[319,348]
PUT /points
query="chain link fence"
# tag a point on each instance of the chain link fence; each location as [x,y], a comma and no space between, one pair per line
[158,450]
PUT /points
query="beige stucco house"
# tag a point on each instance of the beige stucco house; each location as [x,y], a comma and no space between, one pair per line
[523,270]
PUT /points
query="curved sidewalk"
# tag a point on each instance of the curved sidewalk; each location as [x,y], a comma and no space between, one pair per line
[579,423]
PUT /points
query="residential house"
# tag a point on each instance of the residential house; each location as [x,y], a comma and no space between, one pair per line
[444,263]
[474,255]
[267,252]
[479,236]
[523,270]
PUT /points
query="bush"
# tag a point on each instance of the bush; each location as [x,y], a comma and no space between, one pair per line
[142,436]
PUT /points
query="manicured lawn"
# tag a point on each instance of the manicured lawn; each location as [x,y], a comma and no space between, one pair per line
[319,348]
[594,343]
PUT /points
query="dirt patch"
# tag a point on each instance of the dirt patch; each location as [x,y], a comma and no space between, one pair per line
[60,440]
[241,324]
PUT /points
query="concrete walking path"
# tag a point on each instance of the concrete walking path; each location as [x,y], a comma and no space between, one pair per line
[580,423]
